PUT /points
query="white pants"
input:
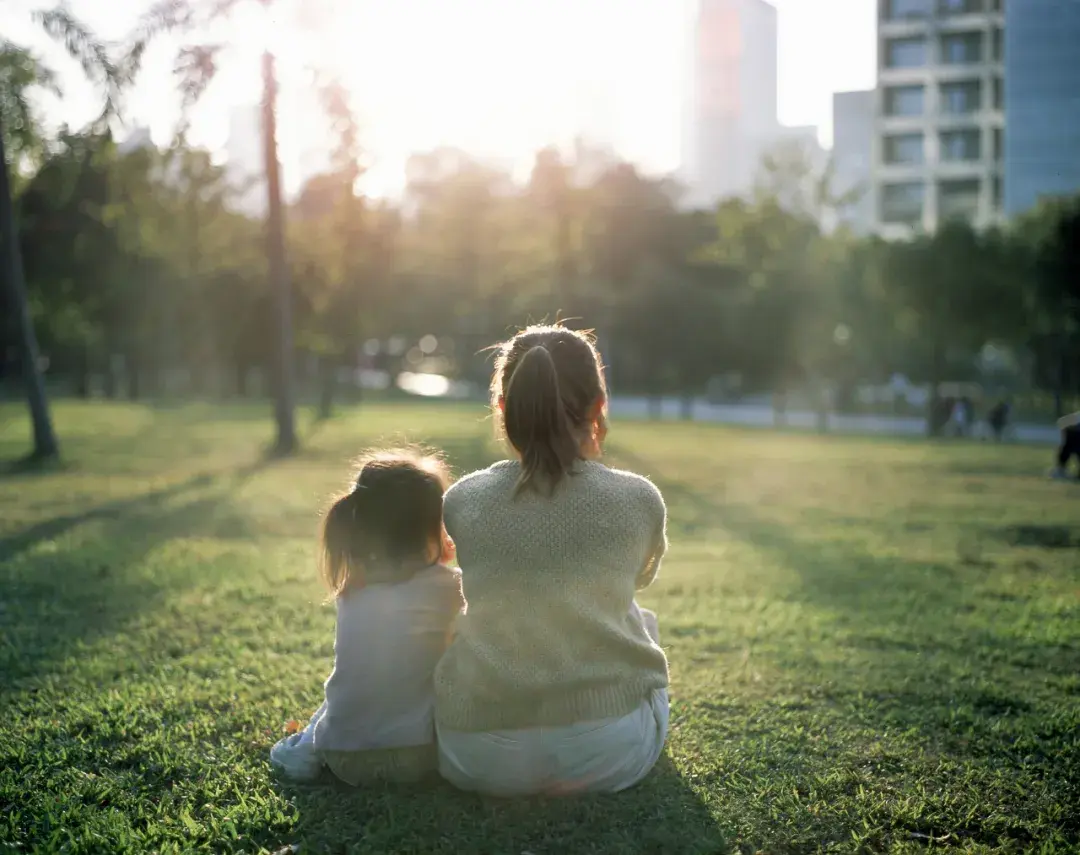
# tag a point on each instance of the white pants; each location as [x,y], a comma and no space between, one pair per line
[603,756]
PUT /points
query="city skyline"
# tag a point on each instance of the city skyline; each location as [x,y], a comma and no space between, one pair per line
[554,80]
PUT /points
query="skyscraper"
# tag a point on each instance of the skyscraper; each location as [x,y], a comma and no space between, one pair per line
[733,99]
[853,143]
[939,135]
[1042,97]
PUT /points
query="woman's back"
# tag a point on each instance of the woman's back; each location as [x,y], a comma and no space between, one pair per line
[550,636]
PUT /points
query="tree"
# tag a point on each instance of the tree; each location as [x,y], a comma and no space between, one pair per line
[555,197]
[197,65]
[19,73]
[952,292]
[1049,237]
[69,249]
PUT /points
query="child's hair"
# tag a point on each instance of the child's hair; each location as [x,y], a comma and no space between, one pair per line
[547,382]
[389,523]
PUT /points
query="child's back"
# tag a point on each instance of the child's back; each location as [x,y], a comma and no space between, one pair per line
[389,639]
[384,549]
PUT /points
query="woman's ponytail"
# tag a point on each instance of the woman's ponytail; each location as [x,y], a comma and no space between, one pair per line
[537,423]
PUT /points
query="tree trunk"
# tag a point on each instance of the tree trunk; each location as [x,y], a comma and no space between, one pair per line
[45,444]
[779,402]
[565,269]
[934,424]
[686,408]
[85,380]
[284,393]
[328,371]
[656,407]
[240,366]
[134,372]
[1059,390]
[821,400]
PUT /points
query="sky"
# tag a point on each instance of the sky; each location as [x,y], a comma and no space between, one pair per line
[500,78]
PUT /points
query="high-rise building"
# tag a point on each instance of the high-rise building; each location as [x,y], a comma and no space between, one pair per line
[1042,96]
[733,103]
[939,119]
[853,144]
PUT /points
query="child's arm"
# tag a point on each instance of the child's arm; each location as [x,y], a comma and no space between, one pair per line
[1071,420]
[657,515]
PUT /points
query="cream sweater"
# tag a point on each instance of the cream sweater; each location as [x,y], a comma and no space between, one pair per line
[548,637]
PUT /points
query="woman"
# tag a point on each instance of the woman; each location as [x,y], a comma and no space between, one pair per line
[554,682]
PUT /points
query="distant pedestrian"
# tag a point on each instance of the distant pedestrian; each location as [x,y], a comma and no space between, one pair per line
[1070,445]
[959,417]
[998,419]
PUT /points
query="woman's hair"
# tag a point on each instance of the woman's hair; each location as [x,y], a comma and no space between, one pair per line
[389,525]
[548,380]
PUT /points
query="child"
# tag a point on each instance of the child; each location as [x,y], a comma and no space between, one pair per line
[555,682]
[383,555]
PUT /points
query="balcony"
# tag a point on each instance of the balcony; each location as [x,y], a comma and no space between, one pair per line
[963,49]
[961,98]
[898,13]
[903,150]
[958,200]
[902,204]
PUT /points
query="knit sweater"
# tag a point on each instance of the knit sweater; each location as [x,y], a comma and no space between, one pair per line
[548,637]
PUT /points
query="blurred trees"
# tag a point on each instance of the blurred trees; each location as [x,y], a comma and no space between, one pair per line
[142,273]
[21,143]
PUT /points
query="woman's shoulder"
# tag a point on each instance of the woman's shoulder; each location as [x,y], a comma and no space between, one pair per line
[633,484]
[630,490]
[482,480]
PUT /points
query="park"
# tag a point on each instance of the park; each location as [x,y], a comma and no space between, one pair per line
[873,643]
[835,442]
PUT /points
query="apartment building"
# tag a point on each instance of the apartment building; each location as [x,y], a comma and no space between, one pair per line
[853,140]
[1042,91]
[939,121]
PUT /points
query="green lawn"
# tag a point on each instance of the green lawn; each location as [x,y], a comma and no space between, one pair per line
[874,645]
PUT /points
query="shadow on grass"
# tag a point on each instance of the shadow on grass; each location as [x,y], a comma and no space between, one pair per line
[924,653]
[662,814]
[58,598]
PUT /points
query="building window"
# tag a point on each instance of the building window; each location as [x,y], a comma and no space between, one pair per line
[898,10]
[958,200]
[999,94]
[959,7]
[961,146]
[902,203]
[961,98]
[905,53]
[904,149]
[904,101]
[999,144]
[961,48]
[999,44]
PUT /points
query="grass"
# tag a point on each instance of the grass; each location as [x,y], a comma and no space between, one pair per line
[874,645]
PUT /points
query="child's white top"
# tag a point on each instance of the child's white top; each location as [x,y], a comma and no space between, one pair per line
[389,639]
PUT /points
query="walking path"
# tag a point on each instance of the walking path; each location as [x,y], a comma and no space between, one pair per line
[761,415]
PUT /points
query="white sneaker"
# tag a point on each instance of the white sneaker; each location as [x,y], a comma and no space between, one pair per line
[295,757]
